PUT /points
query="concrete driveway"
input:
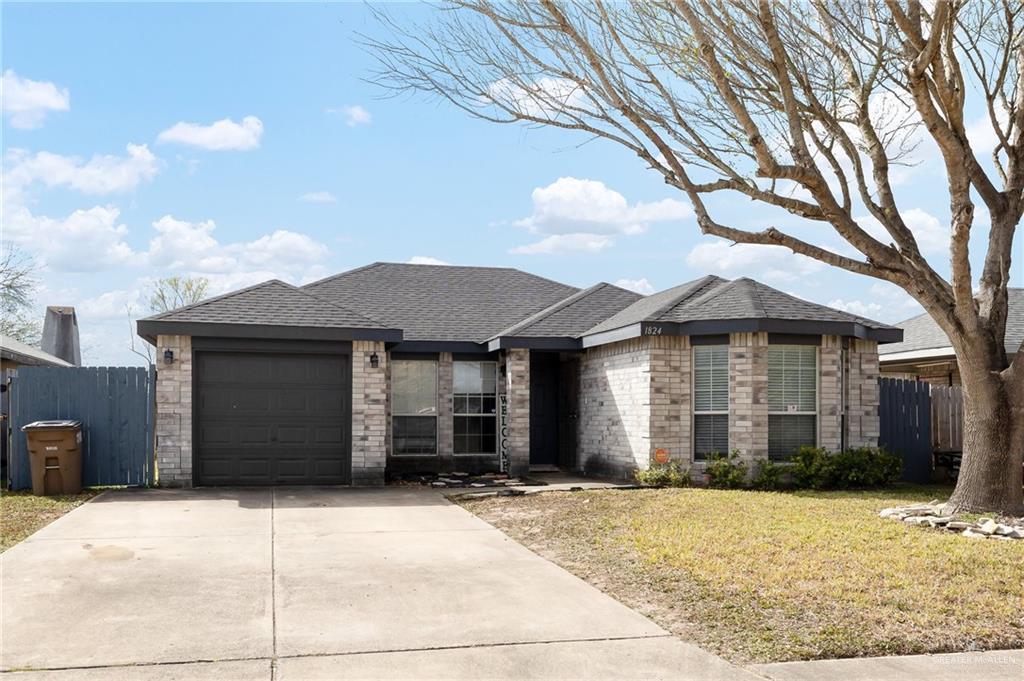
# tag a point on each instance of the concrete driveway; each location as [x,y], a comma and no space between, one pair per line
[311,584]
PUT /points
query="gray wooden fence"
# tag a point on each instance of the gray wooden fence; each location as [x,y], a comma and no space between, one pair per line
[115,406]
[905,422]
[947,419]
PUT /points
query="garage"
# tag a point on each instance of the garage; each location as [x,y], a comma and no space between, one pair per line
[273,418]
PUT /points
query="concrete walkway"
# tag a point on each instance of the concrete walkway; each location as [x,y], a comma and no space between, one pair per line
[311,584]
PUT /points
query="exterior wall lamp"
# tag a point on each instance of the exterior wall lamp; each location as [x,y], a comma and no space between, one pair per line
[168,356]
[374,361]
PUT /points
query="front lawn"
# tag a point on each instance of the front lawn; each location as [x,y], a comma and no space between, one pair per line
[764,577]
[21,513]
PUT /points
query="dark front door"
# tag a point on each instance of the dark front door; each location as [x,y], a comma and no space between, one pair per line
[568,411]
[272,418]
[543,409]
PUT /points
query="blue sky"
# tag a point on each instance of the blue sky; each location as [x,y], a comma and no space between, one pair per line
[114,175]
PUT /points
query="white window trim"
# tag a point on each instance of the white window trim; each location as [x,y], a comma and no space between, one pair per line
[817,398]
[693,400]
[436,414]
[497,435]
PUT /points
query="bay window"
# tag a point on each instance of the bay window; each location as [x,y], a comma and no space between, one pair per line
[792,399]
[475,408]
[414,407]
[710,401]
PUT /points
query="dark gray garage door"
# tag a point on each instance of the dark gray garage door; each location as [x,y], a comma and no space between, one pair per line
[272,419]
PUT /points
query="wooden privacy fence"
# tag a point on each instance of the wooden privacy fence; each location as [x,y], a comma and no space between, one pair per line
[947,419]
[905,420]
[115,406]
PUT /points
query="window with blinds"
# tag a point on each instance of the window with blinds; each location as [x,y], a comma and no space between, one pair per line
[710,400]
[413,407]
[792,399]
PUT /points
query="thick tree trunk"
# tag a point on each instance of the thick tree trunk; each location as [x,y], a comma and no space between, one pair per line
[990,472]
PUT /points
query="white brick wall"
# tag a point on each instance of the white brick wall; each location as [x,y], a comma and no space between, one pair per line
[615,408]
[174,412]
[369,413]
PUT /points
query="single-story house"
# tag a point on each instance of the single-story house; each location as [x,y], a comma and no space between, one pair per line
[14,354]
[398,368]
[925,353]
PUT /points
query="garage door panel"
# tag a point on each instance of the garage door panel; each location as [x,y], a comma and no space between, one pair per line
[272,419]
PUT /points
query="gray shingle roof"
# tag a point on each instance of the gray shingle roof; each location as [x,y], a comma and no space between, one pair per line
[713,298]
[271,303]
[442,302]
[574,315]
[16,351]
[922,333]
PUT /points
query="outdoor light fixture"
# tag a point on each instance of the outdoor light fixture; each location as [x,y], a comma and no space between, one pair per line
[374,361]
[168,356]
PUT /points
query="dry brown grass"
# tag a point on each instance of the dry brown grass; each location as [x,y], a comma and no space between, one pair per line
[761,577]
[21,513]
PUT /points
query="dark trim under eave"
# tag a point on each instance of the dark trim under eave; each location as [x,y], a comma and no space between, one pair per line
[726,326]
[150,329]
[434,347]
[534,343]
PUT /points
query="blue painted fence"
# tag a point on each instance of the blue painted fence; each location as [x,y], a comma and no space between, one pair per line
[115,406]
[905,425]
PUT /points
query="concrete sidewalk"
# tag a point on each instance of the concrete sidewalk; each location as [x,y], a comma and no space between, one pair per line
[311,583]
[992,665]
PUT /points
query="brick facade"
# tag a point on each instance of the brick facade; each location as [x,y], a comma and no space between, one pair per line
[615,408]
[830,408]
[517,389]
[369,413]
[862,393]
[748,395]
[174,412]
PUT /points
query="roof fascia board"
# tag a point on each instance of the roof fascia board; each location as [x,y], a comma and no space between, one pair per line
[534,343]
[722,326]
[150,329]
[430,346]
[929,353]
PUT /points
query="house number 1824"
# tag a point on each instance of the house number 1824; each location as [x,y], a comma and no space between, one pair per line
[652,330]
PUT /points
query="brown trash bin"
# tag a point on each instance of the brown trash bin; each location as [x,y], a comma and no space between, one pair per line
[55,454]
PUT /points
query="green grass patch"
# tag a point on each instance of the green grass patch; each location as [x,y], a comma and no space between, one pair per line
[768,576]
[22,513]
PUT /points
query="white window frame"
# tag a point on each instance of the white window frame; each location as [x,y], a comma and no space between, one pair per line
[436,415]
[456,414]
[694,412]
[817,397]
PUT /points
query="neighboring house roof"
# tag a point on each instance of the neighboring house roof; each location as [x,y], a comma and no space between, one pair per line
[16,351]
[270,309]
[923,338]
[712,305]
[442,302]
[570,317]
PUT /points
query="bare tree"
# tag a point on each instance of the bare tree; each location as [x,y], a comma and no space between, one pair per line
[802,106]
[174,292]
[17,293]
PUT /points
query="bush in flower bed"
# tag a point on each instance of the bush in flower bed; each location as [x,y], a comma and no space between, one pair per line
[663,475]
[817,468]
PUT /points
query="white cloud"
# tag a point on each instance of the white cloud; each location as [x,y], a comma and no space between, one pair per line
[426,260]
[584,213]
[101,174]
[111,305]
[354,115]
[566,243]
[220,135]
[26,102]
[318,197]
[856,307]
[182,245]
[931,235]
[771,263]
[544,98]
[641,286]
[84,241]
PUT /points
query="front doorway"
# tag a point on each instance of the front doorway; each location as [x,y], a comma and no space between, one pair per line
[553,410]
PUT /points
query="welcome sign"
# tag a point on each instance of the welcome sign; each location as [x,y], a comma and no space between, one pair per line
[503,432]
